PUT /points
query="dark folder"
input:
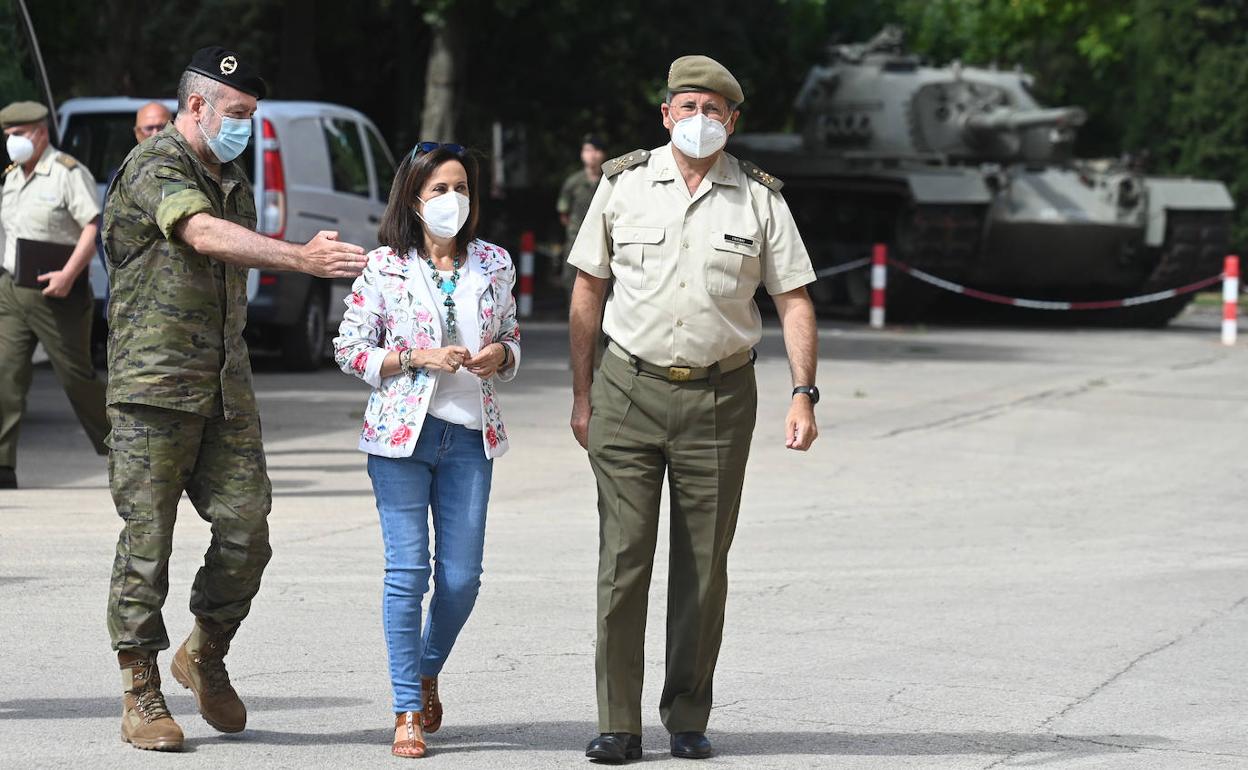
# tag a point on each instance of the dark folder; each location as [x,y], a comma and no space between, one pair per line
[34,258]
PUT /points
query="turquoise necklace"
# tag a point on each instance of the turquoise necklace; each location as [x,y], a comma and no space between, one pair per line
[447,286]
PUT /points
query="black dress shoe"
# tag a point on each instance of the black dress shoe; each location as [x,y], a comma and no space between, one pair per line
[8,478]
[614,748]
[691,746]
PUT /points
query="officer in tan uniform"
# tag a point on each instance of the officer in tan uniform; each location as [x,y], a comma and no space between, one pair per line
[47,196]
[688,233]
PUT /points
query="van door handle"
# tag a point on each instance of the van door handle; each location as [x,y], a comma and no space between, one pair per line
[318,217]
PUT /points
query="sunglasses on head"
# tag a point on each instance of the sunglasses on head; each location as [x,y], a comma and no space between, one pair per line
[424,147]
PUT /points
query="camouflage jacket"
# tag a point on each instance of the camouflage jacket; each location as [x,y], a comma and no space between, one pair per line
[175,316]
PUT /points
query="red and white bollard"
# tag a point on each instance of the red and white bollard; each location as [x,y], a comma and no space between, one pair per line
[1230,300]
[879,281]
[528,244]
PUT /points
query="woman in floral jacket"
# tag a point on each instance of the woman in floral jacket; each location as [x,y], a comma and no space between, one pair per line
[430,325]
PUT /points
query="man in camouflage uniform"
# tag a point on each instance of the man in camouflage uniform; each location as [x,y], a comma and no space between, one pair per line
[178,237]
[47,196]
[574,197]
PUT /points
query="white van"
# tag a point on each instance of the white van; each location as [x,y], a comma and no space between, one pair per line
[314,166]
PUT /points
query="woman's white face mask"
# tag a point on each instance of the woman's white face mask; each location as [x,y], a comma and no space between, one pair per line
[699,136]
[445,214]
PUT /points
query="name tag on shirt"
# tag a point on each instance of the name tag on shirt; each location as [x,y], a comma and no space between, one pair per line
[738,240]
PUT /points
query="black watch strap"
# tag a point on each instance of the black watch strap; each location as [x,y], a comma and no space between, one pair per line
[809,390]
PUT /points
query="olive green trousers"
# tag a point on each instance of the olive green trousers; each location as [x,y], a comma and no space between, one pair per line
[156,455]
[64,327]
[697,434]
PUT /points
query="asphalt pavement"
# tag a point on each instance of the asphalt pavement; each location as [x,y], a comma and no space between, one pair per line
[1008,548]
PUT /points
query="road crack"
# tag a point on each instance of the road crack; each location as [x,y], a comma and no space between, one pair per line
[1116,676]
[997,410]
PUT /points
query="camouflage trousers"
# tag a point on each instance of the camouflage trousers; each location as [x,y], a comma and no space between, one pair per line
[156,454]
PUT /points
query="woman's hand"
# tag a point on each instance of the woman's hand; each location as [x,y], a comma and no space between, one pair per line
[447,359]
[486,363]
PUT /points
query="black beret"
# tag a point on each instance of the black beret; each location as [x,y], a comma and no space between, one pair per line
[225,66]
[595,140]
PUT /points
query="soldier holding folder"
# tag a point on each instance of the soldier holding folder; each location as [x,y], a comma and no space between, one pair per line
[48,198]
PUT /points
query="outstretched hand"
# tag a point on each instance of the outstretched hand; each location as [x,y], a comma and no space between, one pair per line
[327,257]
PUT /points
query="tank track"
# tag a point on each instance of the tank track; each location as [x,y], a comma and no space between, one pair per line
[1195,245]
[840,225]
[943,240]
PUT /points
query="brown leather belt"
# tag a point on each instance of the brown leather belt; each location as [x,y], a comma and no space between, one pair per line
[683,373]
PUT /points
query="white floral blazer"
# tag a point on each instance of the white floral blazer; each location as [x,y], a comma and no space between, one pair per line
[392,308]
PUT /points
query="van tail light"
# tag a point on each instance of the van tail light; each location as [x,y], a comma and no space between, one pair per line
[273,205]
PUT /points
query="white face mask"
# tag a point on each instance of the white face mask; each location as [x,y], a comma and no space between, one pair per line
[699,136]
[20,148]
[445,214]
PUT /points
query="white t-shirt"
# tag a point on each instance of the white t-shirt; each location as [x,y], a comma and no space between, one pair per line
[457,398]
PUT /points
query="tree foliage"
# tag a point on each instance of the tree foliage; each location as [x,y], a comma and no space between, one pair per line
[1157,77]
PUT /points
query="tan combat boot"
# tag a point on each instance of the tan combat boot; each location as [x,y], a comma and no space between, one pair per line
[199,665]
[145,720]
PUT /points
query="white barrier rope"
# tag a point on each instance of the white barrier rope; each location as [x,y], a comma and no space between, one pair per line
[845,268]
[1042,304]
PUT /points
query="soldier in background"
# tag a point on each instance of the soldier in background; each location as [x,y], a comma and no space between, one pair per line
[150,120]
[47,196]
[574,197]
[179,237]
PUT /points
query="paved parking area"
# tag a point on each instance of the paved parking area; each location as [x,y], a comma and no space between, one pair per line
[1009,548]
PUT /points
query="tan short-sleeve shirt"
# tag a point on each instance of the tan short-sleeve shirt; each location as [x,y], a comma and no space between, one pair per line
[53,204]
[686,266]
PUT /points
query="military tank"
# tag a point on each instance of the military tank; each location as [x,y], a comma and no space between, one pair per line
[967,177]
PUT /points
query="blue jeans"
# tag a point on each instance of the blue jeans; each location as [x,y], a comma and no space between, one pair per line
[448,474]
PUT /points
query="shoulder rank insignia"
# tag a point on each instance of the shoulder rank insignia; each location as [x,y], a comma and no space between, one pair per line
[760,176]
[624,162]
[66,160]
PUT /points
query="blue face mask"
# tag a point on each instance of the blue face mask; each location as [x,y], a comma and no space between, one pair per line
[231,138]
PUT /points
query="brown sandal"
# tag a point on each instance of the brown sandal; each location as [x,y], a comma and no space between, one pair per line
[412,747]
[430,704]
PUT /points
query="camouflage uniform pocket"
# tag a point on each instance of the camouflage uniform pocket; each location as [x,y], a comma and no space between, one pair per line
[130,473]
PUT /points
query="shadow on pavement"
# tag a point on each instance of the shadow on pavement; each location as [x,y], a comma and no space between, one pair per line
[80,708]
[572,736]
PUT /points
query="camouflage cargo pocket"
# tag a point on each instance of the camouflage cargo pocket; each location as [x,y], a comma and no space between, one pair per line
[130,473]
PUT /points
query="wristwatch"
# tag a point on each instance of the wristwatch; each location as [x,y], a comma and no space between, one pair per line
[809,390]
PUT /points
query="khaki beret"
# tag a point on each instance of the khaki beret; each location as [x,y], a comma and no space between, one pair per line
[702,73]
[21,113]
